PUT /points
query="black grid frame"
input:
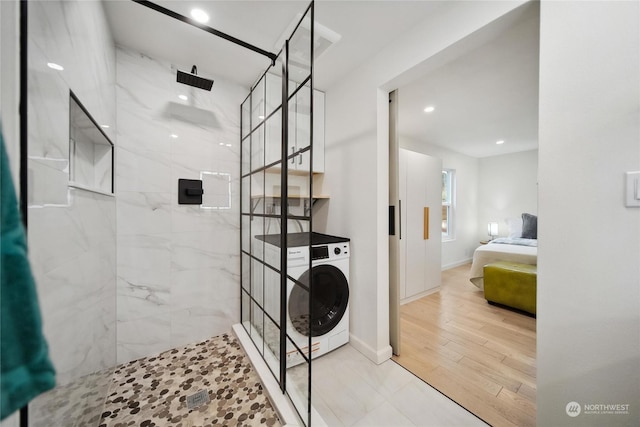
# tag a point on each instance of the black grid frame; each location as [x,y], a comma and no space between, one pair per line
[254,210]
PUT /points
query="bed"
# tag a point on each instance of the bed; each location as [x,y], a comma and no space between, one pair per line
[521,247]
[519,250]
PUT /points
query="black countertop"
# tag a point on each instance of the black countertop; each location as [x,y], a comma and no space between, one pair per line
[302,239]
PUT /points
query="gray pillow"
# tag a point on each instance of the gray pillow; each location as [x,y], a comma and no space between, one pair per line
[529,226]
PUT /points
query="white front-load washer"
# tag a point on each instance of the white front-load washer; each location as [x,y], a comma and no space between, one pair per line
[326,320]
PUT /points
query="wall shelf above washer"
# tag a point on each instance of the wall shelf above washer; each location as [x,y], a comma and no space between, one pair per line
[297,196]
[256,198]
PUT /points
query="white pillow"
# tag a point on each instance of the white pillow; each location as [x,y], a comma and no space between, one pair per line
[515,227]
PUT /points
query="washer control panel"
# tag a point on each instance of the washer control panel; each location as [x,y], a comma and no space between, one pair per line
[330,251]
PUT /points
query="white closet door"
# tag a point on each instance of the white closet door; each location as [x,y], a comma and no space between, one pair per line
[402,190]
[433,245]
[421,257]
[415,202]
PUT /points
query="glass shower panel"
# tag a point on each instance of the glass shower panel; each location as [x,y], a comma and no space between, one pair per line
[246,272]
[273,139]
[246,310]
[257,215]
[245,117]
[272,246]
[257,297]
[258,104]
[272,294]
[272,319]
[299,61]
[246,233]
[298,226]
[257,148]
[272,220]
[273,89]
[257,326]
[300,129]
[257,237]
[246,195]
[297,206]
[303,116]
[245,166]
[298,380]
[272,346]
[257,281]
[278,210]
[291,133]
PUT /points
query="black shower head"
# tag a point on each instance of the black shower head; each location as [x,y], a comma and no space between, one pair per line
[192,79]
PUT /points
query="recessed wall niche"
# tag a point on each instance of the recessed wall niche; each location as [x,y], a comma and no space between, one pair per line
[90,151]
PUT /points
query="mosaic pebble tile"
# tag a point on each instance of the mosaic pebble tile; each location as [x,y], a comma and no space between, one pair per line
[78,403]
[153,391]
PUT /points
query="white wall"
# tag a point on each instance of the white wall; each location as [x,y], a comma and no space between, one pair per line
[72,239]
[10,83]
[9,101]
[357,159]
[507,187]
[589,253]
[459,250]
[178,265]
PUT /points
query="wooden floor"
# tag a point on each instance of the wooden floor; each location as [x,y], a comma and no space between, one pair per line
[481,356]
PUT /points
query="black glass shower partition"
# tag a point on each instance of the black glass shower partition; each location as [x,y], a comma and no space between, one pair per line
[276,217]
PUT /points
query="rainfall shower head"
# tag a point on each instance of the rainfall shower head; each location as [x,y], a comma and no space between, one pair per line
[192,79]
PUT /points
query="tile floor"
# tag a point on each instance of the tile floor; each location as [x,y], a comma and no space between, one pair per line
[154,391]
[350,390]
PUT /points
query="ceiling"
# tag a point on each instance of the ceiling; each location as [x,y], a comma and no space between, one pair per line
[480,97]
[365,27]
[487,94]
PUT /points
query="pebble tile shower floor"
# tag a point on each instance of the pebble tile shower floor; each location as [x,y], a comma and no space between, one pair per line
[153,391]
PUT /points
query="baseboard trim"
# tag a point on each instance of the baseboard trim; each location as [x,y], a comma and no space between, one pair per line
[420,295]
[456,264]
[376,357]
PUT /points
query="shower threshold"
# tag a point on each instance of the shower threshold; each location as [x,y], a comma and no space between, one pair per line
[283,406]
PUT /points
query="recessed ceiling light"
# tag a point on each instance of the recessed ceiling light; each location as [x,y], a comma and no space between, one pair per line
[228,145]
[55,66]
[430,109]
[261,117]
[200,15]
[183,97]
[222,143]
[104,126]
[500,142]
[173,135]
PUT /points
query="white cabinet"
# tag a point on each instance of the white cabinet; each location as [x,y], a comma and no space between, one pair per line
[318,131]
[420,230]
[299,134]
[299,126]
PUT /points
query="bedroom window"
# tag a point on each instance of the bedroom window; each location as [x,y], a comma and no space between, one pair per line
[448,198]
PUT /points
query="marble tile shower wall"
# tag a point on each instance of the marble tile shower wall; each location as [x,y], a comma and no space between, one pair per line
[72,232]
[178,265]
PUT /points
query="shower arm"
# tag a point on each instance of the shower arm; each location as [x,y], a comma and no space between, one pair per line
[206,28]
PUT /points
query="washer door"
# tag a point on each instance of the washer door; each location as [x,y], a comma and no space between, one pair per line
[330,300]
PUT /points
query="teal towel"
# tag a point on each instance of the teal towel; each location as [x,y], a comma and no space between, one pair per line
[25,368]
